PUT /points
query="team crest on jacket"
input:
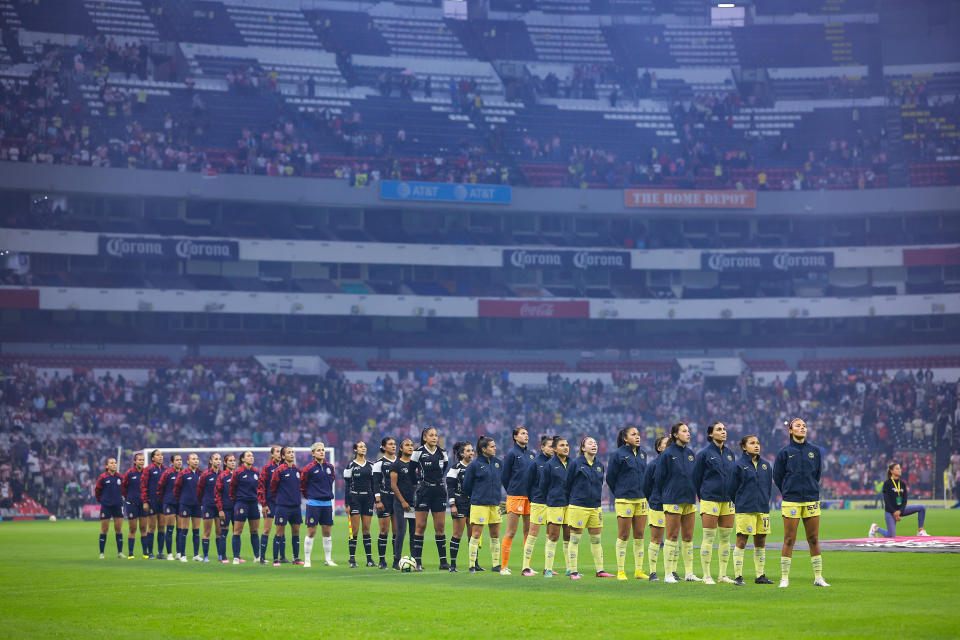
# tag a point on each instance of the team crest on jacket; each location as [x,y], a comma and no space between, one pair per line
[764,466]
[531,456]
[599,470]
[729,457]
[690,457]
[810,454]
[496,464]
[256,477]
[327,469]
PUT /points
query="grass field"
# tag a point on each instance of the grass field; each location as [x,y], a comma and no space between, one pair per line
[53,585]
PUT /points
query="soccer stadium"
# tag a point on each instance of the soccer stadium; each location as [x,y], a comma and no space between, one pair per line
[569,318]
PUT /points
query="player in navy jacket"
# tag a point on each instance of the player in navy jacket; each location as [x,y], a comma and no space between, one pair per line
[316,485]
[207,495]
[515,464]
[584,490]
[625,478]
[185,491]
[712,474]
[221,492]
[133,508]
[244,491]
[674,481]
[109,494]
[751,487]
[482,481]
[553,480]
[383,496]
[284,493]
[266,474]
[150,501]
[655,505]
[359,502]
[431,494]
[168,515]
[796,472]
[538,505]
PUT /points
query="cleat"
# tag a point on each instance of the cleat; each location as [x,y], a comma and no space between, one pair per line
[820,582]
[604,574]
[121,556]
[418,568]
[330,563]
[306,563]
[242,561]
[352,564]
[922,533]
[197,558]
[383,564]
[566,574]
[784,583]
[396,566]
[206,559]
[131,557]
[506,571]
[676,576]
[170,556]
[370,563]
[547,573]
[184,559]
[236,561]
[496,569]
[453,569]
[443,566]
[472,570]
[690,577]
[670,579]
[263,561]
[724,580]
[640,575]
[478,567]
[621,575]
[575,575]
[528,572]
[708,580]
[297,562]
[276,563]
[101,556]
[653,577]
[178,555]
[224,561]
[284,561]
[148,556]
[763,579]
[738,581]
[256,559]
[872,533]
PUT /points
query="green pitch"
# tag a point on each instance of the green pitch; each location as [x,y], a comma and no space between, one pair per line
[53,585]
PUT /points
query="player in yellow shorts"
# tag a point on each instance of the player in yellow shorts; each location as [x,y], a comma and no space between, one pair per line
[751,486]
[625,472]
[655,516]
[796,472]
[584,488]
[553,480]
[538,505]
[712,471]
[674,481]
[481,481]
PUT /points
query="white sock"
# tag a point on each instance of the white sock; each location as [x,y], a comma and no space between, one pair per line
[328,547]
[307,547]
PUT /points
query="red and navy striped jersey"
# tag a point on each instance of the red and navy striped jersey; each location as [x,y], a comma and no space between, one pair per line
[185,488]
[316,481]
[108,490]
[285,486]
[245,485]
[165,487]
[131,485]
[206,488]
[149,482]
[222,492]
[266,475]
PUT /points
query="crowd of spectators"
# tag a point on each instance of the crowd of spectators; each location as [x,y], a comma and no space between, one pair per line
[57,430]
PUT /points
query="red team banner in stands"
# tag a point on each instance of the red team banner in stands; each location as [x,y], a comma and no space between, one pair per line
[689,198]
[534,309]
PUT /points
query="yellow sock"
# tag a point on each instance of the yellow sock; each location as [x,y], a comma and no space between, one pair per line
[817,562]
[474,549]
[670,556]
[505,551]
[596,550]
[495,549]
[785,566]
[687,548]
[706,550]
[549,553]
[528,544]
[621,554]
[574,551]
[638,554]
[653,554]
[738,562]
[566,555]
[760,560]
[723,541]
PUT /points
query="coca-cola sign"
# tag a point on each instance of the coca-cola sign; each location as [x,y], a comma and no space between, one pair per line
[768,261]
[544,259]
[544,309]
[172,248]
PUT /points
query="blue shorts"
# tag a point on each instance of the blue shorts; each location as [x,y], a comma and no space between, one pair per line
[273,509]
[169,508]
[288,515]
[432,498]
[209,511]
[153,508]
[360,504]
[114,511]
[189,511]
[319,515]
[244,511]
[133,510]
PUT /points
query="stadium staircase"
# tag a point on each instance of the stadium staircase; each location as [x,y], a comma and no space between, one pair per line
[897,173]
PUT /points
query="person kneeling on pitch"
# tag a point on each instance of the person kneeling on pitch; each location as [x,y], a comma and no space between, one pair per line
[895,505]
[751,486]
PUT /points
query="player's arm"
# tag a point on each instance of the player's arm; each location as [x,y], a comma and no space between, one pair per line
[660,475]
[469,476]
[779,469]
[178,486]
[305,479]
[218,493]
[613,471]
[98,488]
[819,468]
[233,487]
[145,488]
[699,466]
[124,484]
[274,483]
[262,494]
[571,475]
[396,490]
[201,486]
[508,463]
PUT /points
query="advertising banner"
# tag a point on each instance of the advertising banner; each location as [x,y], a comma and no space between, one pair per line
[768,261]
[172,248]
[534,309]
[690,198]
[539,259]
[445,192]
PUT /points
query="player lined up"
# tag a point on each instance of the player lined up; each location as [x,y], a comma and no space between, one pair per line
[545,488]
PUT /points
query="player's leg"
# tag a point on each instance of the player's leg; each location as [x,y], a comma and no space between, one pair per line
[385,523]
[512,524]
[416,540]
[104,527]
[596,547]
[132,522]
[811,527]
[553,536]
[739,551]
[459,524]
[308,541]
[724,533]
[688,523]
[653,549]
[708,523]
[439,533]
[367,541]
[786,552]
[639,526]
[326,531]
[205,542]
[476,530]
[760,559]
[255,535]
[354,532]
[118,532]
[146,547]
[891,530]
[295,540]
[573,553]
[399,532]
[624,525]
[195,527]
[494,530]
[533,533]
[671,546]
[921,512]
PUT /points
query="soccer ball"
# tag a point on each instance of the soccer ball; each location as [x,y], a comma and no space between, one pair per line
[407,564]
[53,518]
